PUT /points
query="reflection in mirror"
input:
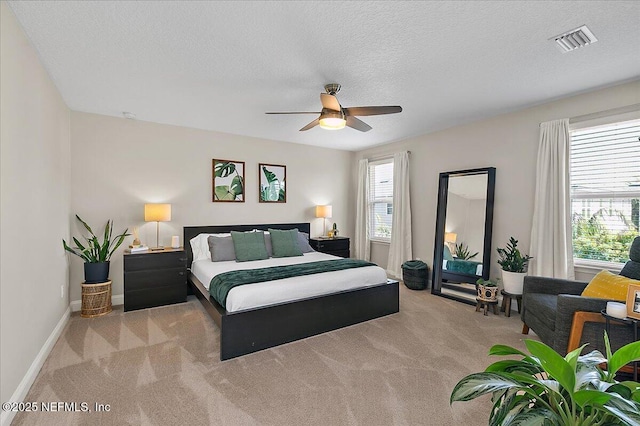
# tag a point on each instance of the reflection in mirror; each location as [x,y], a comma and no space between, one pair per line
[463,232]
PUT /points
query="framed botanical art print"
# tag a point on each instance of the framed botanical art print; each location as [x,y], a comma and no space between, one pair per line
[272,182]
[228,181]
[633,301]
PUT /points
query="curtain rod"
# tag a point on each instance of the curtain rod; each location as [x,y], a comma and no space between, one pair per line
[600,114]
[383,157]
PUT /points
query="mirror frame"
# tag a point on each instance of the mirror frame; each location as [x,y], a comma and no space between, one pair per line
[443,190]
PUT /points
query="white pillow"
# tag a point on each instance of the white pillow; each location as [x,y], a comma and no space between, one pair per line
[200,245]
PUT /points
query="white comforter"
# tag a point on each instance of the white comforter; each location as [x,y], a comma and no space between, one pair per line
[267,293]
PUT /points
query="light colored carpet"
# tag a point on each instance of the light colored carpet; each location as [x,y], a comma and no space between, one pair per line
[161,366]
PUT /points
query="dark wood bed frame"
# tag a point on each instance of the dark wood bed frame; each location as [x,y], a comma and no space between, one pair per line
[252,330]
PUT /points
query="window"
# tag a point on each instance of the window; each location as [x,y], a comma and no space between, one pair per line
[380,199]
[605,190]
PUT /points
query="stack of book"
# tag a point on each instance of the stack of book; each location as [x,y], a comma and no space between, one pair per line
[137,249]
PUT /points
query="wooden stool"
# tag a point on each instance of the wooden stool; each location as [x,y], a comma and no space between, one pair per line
[506,302]
[485,304]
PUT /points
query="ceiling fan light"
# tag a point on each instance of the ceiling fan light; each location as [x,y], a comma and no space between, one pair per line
[332,120]
[333,123]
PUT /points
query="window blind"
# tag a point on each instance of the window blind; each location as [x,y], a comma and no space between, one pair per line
[380,198]
[605,190]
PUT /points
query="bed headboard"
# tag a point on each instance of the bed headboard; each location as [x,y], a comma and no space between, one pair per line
[189,232]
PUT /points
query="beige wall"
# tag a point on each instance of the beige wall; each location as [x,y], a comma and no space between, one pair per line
[34,204]
[508,142]
[117,165]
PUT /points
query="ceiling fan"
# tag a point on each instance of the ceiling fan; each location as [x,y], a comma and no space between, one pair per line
[333,116]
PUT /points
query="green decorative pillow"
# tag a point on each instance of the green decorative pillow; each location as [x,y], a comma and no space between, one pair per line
[249,246]
[447,253]
[285,243]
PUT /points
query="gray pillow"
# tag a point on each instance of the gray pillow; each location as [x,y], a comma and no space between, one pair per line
[221,248]
[249,246]
[267,243]
[303,242]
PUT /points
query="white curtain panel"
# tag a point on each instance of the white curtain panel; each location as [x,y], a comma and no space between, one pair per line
[400,247]
[551,245]
[361,244]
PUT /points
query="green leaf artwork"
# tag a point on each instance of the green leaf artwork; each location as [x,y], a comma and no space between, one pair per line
[272,183]
[228,181]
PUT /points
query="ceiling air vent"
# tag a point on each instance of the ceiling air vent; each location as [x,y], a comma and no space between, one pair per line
[574,39]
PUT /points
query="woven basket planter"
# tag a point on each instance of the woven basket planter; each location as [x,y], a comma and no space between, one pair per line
[415,274]
[96,299]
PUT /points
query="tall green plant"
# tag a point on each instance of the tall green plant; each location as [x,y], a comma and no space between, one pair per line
[546,389]
[94,251]
[462,252]
[511,260]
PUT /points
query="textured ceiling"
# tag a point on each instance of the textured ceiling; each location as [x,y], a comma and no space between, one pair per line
[222,65]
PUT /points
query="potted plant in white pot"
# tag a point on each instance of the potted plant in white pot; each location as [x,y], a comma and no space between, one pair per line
[514,266]
[96,254]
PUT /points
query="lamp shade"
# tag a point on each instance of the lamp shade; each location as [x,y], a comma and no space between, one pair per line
[157,212]
[450,237]
[324,211]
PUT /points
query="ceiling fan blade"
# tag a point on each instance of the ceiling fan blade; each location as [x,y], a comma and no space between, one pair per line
[372,110]
[330,102]
[314,123]
[306,112]
[357,124]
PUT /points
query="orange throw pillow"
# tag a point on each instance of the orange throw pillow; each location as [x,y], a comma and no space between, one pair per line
[606,285]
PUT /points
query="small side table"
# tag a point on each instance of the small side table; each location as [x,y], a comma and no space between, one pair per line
[483,303]
[506,302]
[96,299]
[627,321]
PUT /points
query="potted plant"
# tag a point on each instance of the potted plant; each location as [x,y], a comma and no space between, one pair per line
[514,266]
[462,252]
[96,254]
[487,289]
[546,389]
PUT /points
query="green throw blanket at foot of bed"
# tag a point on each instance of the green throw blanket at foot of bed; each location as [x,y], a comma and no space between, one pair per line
[221,284]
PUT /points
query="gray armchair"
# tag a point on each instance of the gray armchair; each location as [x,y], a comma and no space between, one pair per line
[548,305]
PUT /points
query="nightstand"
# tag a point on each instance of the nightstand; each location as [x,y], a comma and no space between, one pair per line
[155,278]
[338,246]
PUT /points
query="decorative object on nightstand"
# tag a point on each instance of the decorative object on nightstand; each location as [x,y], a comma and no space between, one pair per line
[157,213]
[96,254]
[334,231]
[324,212]
[155,278]
[136,238]
[338,246]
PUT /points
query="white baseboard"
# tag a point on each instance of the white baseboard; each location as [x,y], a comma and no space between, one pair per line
[118,299]
[23,388]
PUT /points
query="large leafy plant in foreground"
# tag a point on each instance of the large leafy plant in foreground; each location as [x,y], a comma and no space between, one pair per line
[545,388]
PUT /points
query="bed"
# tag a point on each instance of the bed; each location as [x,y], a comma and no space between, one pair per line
[246,330]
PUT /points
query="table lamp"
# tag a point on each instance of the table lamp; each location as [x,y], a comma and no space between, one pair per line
[324,212]
[157,213]
[450,238]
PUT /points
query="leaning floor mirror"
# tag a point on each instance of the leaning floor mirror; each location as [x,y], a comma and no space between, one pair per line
[462,251]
